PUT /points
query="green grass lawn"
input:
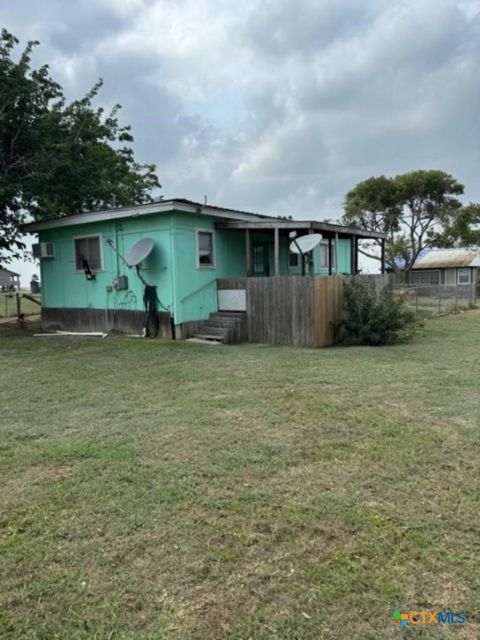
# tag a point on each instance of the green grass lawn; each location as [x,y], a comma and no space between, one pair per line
[171,490]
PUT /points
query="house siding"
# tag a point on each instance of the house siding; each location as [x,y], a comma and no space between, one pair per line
[195,293]
[64,287]
[187,291]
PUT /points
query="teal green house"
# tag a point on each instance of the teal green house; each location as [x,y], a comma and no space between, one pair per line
[87,285]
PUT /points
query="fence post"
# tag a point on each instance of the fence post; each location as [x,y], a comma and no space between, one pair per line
[19,307]
[439,300]
[456,297]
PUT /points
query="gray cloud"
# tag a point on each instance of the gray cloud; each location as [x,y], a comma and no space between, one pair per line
[275,106]
[283,28]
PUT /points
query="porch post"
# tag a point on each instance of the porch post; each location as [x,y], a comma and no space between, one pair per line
[248,252]
[276,233]
[383,256]
[310,258]
[337,255]
[352,255]
[329,256]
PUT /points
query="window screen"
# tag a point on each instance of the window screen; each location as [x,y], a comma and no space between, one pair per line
[464,276]
[88,249]
[205,249]
[258,258]
[424,277]
[323,260]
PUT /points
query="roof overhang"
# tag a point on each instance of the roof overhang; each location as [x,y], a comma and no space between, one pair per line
[161,206]
[226,219]
[299,225]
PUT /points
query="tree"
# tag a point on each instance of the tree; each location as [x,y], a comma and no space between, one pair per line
[58,158]
[462,231]
[407,208]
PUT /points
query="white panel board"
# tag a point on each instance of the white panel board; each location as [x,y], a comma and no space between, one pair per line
[232,300]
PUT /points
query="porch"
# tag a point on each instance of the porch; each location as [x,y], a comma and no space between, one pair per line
[267,247]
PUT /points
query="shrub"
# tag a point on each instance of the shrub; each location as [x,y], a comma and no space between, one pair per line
[372,318]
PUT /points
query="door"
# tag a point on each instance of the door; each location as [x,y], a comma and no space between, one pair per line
[261,265]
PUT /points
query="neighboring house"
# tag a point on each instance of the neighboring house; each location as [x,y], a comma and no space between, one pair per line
[9,280]
[195,245]
[447,267]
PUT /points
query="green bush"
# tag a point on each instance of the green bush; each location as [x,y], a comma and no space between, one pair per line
[372,318]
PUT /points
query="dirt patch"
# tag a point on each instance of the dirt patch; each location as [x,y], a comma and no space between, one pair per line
[18,487]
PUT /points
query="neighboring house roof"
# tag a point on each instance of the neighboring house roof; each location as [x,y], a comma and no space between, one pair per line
[443,258]
[235,216]
[12,273]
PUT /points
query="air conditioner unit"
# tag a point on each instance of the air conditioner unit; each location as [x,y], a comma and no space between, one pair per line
[43,250]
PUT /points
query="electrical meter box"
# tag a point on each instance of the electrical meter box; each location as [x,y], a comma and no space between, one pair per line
[121,283]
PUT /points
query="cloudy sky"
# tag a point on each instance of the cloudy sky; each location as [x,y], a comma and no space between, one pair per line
[274,106]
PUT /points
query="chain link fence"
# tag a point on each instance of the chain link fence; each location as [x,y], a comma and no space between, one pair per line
[436,300]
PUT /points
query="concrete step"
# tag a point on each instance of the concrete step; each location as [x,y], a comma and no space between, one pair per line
[208,337]
[201,341]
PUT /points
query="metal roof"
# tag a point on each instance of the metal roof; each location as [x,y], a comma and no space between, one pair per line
[296,225]
[233,218]
[159,206]
[443,258]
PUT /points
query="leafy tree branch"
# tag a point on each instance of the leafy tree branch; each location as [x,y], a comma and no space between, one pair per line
[58,158]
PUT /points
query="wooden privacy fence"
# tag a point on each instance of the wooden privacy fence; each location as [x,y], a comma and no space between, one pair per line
[303,311]
[294,310]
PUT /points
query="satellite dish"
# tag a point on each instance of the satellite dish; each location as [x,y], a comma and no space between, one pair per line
[304,244]
[139,252]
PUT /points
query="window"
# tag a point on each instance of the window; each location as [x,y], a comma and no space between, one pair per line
[260,260]
[424,277]
[323,255]
[205,257]
[463,276]
[293,260]
[323,250]
[88,249]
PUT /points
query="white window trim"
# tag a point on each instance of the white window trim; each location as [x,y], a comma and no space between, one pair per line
[197,249]
[469,275]
[89,235]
